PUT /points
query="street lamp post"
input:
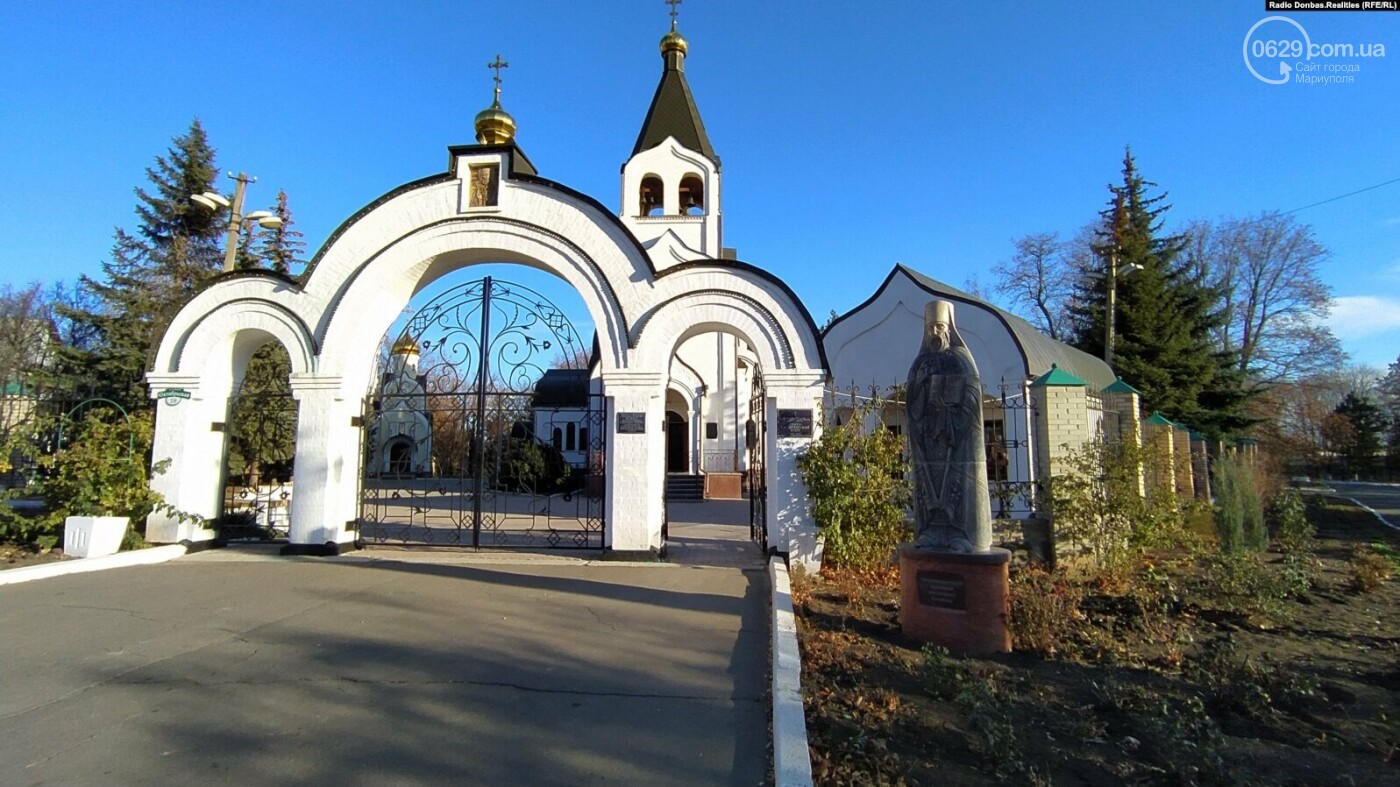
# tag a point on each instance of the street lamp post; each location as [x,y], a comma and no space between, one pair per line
[1112,316]
[214,201]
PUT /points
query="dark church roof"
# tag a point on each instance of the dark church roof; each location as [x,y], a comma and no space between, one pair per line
[562,388]
[673,114]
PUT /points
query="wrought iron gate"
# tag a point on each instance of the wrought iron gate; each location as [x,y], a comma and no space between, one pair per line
[464,447]
[755,439]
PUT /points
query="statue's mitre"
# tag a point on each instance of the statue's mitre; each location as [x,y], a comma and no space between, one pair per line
[938,312]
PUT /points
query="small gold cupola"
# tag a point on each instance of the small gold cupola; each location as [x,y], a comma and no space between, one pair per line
[405,346]
[494,125]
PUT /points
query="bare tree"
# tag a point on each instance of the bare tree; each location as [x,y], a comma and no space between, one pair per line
[1038,280]
[1266,271]
[1298,422]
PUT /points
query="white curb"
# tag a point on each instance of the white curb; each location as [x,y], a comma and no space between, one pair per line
[1373,511]
[136,557]
[792,763]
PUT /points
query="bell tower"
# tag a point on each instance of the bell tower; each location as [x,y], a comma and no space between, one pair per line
[671,184]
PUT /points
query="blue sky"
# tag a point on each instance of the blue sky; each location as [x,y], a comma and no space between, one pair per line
[853,136]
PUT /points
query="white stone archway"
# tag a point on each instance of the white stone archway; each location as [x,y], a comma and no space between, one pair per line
[332,322]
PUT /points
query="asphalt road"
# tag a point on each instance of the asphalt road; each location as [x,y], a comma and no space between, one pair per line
[1384,499]
[235,668]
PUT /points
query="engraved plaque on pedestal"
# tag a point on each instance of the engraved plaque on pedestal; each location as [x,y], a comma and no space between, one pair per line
[942,590]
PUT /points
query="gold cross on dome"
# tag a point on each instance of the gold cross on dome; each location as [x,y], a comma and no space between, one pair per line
[675,12]
[499,64]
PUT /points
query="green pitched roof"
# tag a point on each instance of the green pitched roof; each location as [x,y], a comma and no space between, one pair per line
[673,114]
[1121,387]
[1056,377]
[1157,419]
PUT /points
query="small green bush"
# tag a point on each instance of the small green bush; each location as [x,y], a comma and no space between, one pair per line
[1239,512]
[858,488]
[1288,520]
[1099,504]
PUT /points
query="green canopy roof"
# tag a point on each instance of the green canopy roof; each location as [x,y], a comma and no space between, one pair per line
[1056,377]
[1119,386]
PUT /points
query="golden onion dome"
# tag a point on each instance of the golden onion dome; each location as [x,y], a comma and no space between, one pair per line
[405,346]
[674,42]
[494,125]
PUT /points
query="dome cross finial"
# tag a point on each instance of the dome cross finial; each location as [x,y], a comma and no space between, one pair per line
[499,64]
[494,125]
[675,11]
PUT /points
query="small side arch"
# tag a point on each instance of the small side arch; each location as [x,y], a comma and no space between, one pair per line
[668,325]
[237,327]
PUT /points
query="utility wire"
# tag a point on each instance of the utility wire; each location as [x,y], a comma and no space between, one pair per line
[1342,196]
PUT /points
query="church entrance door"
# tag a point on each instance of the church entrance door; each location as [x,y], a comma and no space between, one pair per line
[677,443]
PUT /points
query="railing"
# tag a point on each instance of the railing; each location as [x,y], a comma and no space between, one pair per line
[712,461]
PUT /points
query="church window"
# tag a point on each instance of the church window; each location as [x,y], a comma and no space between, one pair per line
[652,202]
[558,439]
[570,441]
[583,438]
[484,184]
[711,431]
[692,196]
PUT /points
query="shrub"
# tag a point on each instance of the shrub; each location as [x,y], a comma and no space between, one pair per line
[1239,513]
[858,488]
[1098,503]
[1043,605]
[1368,569]
[1288,519]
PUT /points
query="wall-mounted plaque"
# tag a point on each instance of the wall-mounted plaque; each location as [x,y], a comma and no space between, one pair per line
[794,423]
[941,589]
[631,423]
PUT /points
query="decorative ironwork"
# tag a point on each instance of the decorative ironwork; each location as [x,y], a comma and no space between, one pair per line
[755,440]
[458,448]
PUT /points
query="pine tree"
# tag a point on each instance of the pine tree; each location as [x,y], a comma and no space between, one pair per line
[1165,313]
[151,273]
[282,248]
[1369,423]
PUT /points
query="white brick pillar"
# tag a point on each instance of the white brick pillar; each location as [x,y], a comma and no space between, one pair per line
[1157,438]
[1061,421]
[1181,464]
[635,464]
[186,438]
[325,478]
[790,525]
[1125,400]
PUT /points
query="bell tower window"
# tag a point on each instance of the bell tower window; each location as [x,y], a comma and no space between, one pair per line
[651,200]
[692,195]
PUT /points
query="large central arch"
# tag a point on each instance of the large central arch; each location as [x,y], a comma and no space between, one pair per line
[332,320]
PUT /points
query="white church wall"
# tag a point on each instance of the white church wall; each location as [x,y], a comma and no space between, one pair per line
[877,343]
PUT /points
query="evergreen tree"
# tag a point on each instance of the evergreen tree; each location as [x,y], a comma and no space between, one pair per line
[1369,424]
[151,273]
[1165,313]
[282,248]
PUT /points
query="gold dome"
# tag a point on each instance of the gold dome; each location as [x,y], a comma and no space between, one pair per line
[674,42]
[405,346]
[494,125]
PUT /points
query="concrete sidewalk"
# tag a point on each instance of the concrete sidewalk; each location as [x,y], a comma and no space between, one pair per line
[229,668]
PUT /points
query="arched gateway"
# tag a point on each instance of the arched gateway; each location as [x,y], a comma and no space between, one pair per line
[489,207]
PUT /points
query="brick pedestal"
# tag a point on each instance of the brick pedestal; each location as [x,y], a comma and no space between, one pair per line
[957,601]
